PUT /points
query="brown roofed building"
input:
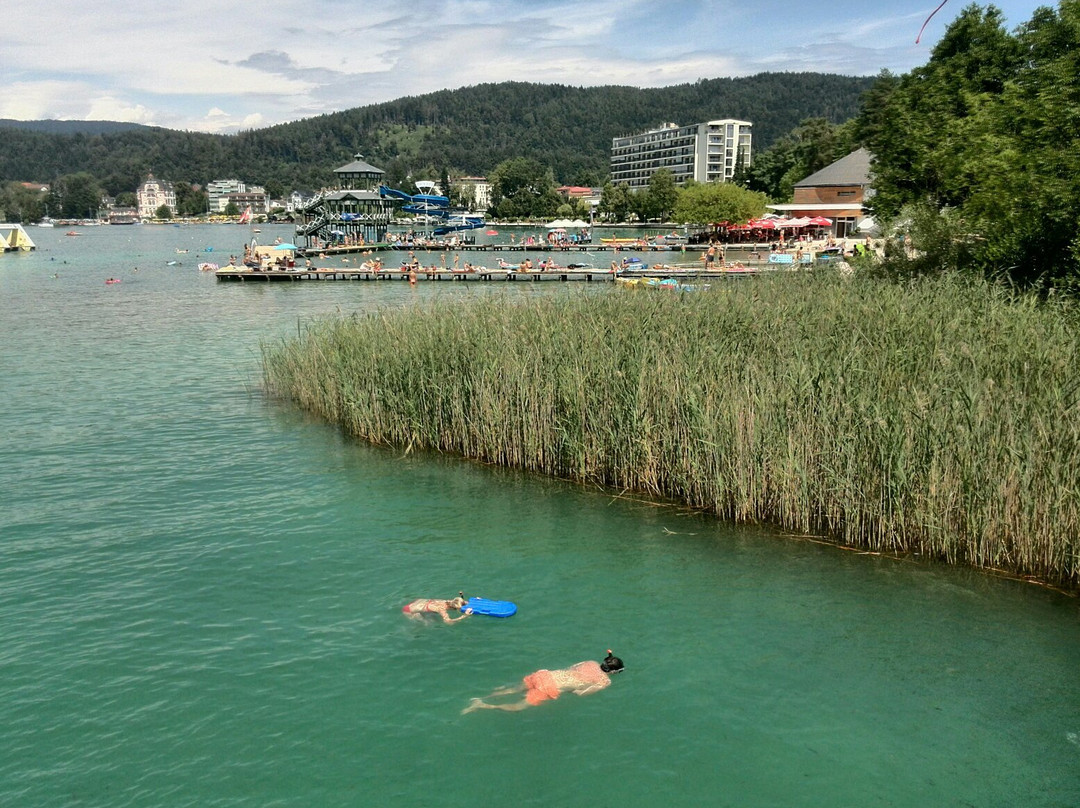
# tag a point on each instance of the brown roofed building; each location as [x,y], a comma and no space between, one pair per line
[838,192]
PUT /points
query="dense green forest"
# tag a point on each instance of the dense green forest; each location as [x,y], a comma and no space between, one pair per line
[976,152]
[467,131]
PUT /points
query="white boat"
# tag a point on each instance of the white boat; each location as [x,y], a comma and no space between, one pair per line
[46,222]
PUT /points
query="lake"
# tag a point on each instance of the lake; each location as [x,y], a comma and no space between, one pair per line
[201,592]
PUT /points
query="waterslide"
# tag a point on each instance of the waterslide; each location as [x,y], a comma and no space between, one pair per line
[434,205]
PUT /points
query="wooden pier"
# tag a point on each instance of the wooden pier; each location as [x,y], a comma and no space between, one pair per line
[243,274]
[554,249]
[690,273]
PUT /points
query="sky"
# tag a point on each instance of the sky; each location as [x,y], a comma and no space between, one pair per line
[228,65]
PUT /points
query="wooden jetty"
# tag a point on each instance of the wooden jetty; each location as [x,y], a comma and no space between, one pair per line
[243,275]
[328,251]
[565,275]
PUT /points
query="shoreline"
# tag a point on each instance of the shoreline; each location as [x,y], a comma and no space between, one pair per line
[853,409]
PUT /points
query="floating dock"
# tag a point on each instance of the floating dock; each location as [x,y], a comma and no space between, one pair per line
[14,239]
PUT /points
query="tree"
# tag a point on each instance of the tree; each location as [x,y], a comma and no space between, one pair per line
[189,201]
[21,204]
[231,209]
[274,189]
[704,203]
[75,196]
[522,187]
[811,146]
[163,212]
[615,202]
[987,133]
[127,199]
[662,193]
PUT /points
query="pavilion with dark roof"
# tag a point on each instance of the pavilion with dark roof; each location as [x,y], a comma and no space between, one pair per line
[352,215]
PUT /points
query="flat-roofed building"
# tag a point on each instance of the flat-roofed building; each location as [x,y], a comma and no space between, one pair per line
[217,193]
[705,152]
[476,189]
[254,198]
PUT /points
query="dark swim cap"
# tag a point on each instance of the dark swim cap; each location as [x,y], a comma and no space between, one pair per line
[611,664]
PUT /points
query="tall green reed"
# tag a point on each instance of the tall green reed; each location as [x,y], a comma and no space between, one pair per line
[938,416]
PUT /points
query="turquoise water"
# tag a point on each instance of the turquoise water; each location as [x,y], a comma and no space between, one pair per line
[200,596]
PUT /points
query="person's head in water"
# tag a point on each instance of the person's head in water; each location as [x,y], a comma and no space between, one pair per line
[458,602]
[611,664]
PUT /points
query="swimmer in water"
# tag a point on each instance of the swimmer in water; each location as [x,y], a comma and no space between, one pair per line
[544,685]
[418,608]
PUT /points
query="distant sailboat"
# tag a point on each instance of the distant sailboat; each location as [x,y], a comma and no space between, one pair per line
[245,217]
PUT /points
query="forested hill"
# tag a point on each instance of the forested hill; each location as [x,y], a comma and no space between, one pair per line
[72,127]
[468,130]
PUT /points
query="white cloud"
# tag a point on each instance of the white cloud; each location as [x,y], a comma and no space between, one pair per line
[285,59]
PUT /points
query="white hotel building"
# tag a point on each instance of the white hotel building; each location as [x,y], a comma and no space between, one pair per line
[706,152]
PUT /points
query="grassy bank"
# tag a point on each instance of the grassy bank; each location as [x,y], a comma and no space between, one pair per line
[940,417]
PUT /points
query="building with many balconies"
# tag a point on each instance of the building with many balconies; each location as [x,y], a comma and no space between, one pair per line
[217,193]
[705,152]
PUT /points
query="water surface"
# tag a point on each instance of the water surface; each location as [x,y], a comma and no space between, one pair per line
[200,595]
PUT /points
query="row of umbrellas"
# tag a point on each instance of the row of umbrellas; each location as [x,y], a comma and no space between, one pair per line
[779,224]
[562,224]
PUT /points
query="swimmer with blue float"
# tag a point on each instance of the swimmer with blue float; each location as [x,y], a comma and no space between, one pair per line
[544,685]
[474,605]
[418,608]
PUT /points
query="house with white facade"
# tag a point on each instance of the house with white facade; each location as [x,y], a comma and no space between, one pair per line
[475,189]
[152,194]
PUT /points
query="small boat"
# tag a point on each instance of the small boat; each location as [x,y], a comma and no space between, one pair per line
[72,233]
[112,280]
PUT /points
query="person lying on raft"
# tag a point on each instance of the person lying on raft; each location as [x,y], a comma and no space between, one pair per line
[544,685]
[418,608]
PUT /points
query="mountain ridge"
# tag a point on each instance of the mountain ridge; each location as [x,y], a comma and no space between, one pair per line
[467,130]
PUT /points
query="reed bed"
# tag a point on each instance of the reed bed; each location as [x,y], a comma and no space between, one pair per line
[938,417]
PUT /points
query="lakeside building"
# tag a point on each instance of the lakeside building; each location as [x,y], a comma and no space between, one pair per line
[838,192]
[705,152]
[296,200]
[255,199]
[354,213]
[217,193]
[475,189]
[123,215]
[152,194]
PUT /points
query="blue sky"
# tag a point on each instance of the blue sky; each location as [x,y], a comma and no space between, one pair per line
[225,65]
